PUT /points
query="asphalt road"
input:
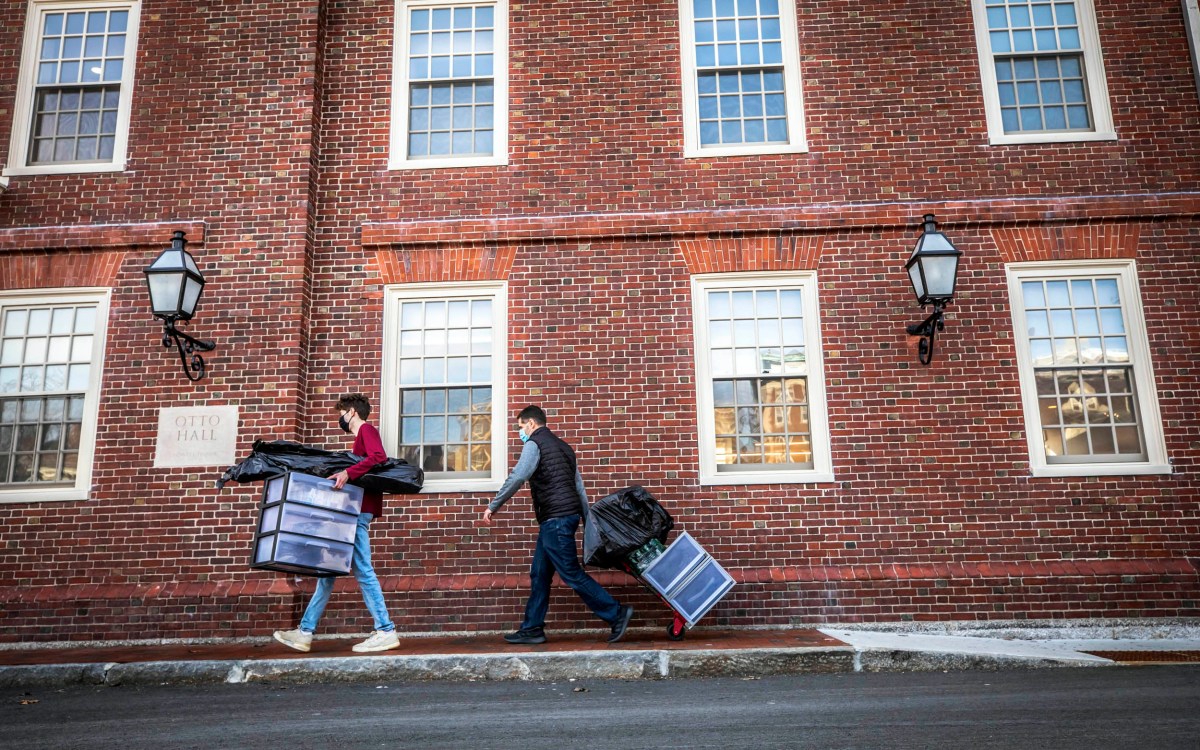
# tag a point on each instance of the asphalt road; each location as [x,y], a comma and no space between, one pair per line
[1154,708]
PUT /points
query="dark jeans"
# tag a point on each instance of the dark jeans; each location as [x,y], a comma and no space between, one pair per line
[555,552]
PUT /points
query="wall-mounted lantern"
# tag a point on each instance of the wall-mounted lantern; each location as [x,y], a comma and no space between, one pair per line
[933,270]
[175,285]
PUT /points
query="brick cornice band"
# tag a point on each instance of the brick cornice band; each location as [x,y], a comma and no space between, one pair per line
[97,236]
[796,218]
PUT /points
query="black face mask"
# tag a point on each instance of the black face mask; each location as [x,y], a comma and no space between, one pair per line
[343,423]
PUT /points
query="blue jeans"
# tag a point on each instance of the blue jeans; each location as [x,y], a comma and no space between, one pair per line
[367,581]
[556,552]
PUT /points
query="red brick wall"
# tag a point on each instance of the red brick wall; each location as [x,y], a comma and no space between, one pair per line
[597,224]
[219,147]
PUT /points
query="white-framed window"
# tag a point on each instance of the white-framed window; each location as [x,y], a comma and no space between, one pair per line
[1042,70]
[450,85]
[1087,383]
[75,87]
[741,78]
[51,354]
[760,379]
[1191,22]
[444,404]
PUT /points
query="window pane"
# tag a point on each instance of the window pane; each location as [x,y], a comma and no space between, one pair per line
[747,40]
[459,53]
[84,47]
[760,420]
[443,427]
[1078,401]
[40,433]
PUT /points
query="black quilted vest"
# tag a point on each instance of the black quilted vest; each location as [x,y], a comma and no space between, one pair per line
[553,482]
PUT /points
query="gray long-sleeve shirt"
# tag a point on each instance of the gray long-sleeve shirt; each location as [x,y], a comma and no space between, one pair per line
[526,465]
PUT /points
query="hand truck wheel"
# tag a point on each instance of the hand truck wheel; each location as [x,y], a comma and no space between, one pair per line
[676,629]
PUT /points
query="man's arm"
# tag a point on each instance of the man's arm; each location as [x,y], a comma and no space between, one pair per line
[372,447]
[375,455]
[583,501]
[521,473]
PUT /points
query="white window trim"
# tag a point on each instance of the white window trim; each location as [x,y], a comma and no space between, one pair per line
[1191,22]
[1093,63]
[389,405]
[398,148]
[822,470]
[1156,461]
[791,84]
[91,403]
[23,107]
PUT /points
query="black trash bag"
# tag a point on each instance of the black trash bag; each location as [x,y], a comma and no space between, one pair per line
[620,523]
[271,458]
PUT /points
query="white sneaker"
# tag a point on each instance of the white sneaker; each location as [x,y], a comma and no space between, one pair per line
[379,641]
[296,639]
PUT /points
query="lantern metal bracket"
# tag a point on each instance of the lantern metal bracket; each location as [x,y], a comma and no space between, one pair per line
[927,329]
[187,345]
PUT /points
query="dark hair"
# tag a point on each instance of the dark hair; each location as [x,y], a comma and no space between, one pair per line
[533,412]
[357,402]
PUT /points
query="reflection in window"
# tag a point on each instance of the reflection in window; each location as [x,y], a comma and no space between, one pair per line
[757,354]
[80,66]
[445,373]
[1079,347]
[45,371]
[450,67]
[739,72]
[1039,62]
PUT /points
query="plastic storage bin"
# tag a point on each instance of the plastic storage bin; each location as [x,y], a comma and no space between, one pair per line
[305,526]
[688,578]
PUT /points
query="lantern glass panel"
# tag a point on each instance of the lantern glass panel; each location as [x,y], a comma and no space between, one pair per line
[191,295]
[170,260]
[914,274]
[934,242]
[939,274]
[164,292]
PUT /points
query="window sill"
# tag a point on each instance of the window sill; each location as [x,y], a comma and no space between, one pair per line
[1036,138]
[49,494]
[16,172]
[62,169]
[745,478]
[461,486]
[691,152]
[1099,470]
[471,161]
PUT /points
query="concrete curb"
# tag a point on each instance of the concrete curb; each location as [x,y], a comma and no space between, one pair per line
[553,666]
[52,675]
[893,660]
[564,665]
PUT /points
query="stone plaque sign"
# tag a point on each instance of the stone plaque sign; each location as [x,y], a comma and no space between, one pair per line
[196,436]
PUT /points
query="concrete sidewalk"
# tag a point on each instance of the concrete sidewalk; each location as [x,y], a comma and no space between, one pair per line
[642,655]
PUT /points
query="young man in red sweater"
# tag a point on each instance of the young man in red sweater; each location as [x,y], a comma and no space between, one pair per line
[353,411]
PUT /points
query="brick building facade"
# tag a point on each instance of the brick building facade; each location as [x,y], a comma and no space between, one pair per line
[680,227]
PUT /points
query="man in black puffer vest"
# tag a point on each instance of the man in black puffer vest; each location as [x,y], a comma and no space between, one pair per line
[559,503]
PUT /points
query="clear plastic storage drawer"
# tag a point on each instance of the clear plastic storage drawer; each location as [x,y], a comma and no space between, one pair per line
[305,488]
[666,569]
[302,519]
[292,550]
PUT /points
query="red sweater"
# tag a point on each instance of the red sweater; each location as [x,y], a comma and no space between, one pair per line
[368,445]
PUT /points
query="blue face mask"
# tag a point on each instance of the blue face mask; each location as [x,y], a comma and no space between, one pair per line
[523,436]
